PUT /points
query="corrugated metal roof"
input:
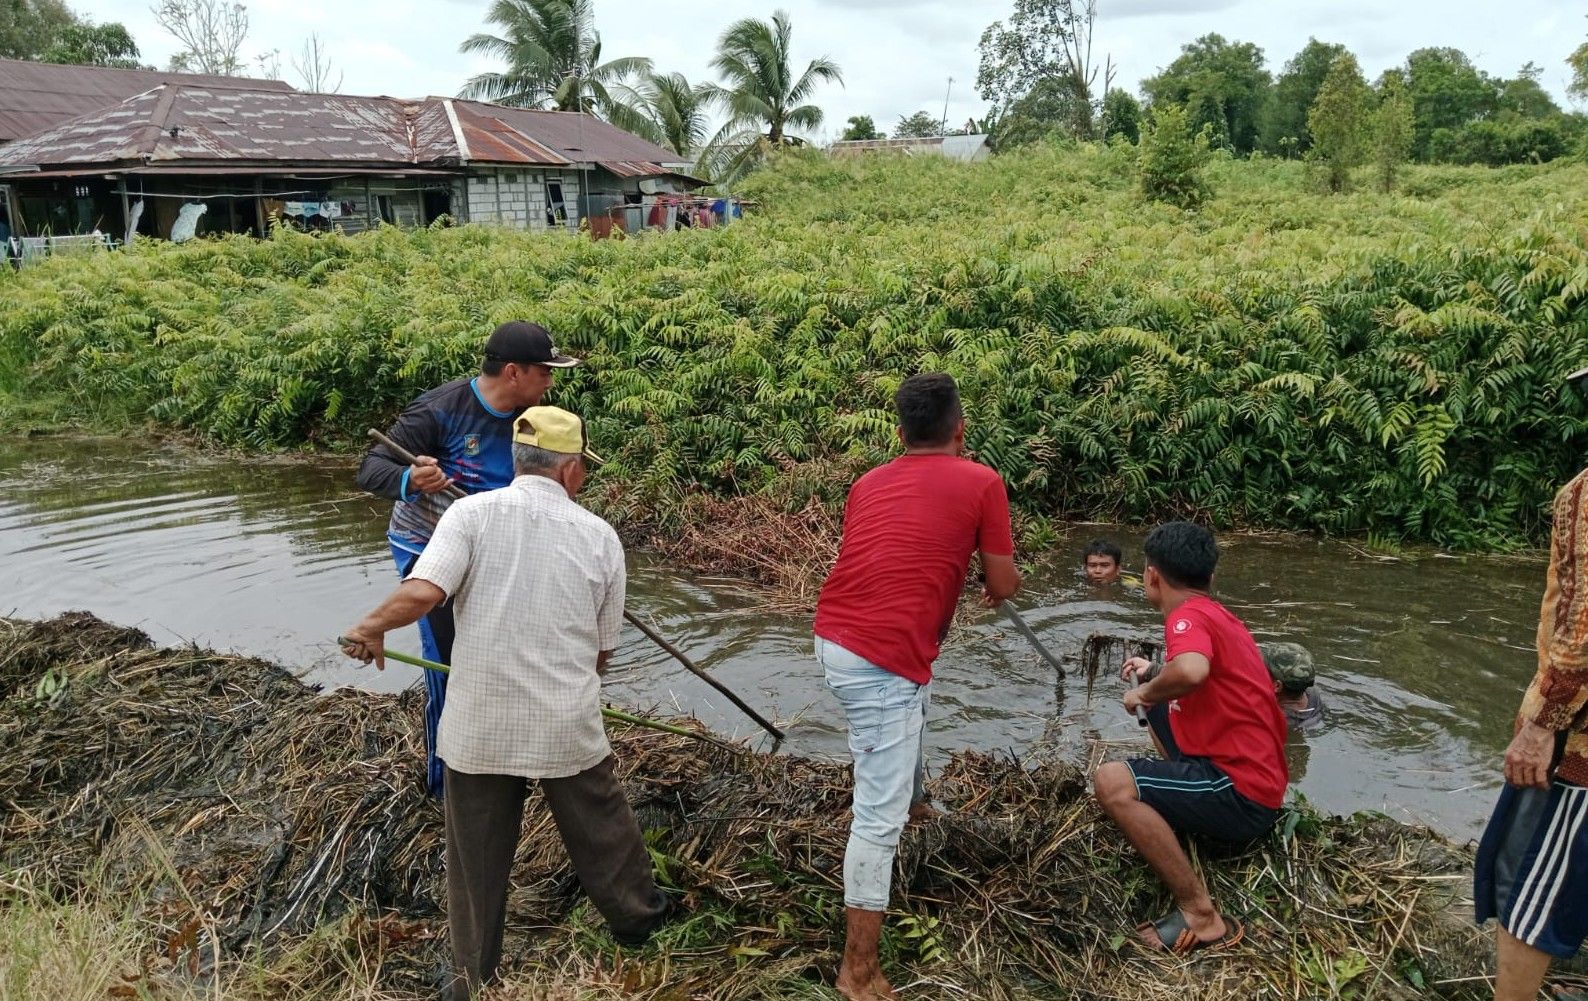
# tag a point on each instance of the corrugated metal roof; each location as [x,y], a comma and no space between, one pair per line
[202,125]
[574,137]
[37,96]
[190,123]
[492,140]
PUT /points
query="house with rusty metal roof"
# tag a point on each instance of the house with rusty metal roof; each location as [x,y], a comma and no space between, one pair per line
[226,155]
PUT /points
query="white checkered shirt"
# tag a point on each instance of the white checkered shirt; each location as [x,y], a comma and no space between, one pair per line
[538,587]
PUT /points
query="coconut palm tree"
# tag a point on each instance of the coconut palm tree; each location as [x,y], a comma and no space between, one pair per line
[763,97]
[553,57]
[668,111]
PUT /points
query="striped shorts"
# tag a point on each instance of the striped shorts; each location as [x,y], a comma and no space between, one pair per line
[1532,867]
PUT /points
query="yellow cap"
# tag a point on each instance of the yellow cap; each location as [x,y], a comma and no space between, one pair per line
[553,429]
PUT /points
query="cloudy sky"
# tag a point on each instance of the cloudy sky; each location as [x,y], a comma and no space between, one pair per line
[897,55]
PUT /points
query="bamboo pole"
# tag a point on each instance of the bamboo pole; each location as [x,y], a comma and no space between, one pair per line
[453,491]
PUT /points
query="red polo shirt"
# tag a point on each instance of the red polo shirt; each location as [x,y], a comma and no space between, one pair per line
[910,528]
[1233,718]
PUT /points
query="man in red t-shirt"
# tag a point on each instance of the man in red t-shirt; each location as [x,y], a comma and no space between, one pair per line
[1215,719]
[910,528]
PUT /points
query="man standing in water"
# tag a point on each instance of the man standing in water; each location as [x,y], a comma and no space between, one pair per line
[461,434]
[1532,867]
[910,528]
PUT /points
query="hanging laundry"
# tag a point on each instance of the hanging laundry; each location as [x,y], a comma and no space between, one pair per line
[186,225]
[133,215]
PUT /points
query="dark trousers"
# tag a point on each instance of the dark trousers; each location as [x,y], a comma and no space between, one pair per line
[484,814]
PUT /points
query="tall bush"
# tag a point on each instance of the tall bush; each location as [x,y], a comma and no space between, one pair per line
[1172,161]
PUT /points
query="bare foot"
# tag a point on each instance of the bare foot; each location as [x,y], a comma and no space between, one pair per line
[1208,927]
[922,812]
[875,989]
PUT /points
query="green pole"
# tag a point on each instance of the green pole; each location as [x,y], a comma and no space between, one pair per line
[609,713]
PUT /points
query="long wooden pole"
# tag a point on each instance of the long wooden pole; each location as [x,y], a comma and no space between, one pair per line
[607,711]
[453,491]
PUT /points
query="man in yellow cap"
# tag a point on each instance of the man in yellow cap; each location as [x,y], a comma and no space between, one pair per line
[538,585]
[460,435]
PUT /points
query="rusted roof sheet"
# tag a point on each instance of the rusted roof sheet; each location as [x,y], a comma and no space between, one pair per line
[574,137]
[37,96]
[491,140]
[184,123]
[176,125]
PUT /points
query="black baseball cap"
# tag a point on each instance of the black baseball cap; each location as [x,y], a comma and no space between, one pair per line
[1576,379]
[525,343]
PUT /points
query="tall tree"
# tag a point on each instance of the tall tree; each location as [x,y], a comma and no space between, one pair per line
[1447,92]
[1045,42]
[1222,83]
[1392,127]
[1121,116]
[553,57]
[48,31]
[1048,110]
[1338,122]
[28,27]
[1578,61]
[1285,115]
[211,32]
[1523,96]
[861,127]
[763,96]
[669,111]
[314,67]
[920,125]
[84,43]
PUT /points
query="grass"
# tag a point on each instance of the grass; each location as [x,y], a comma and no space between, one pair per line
[185,824]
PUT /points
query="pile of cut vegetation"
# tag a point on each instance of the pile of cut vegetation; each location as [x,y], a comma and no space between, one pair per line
[251,820]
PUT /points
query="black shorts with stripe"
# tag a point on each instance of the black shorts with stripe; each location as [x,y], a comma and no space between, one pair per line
[1532,867]
[1193,795]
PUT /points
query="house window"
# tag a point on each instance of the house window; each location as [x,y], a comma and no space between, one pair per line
[556,207]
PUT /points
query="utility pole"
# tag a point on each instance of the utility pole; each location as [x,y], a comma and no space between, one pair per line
[942,128]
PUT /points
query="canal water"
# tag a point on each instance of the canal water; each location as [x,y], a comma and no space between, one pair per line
[1422,659]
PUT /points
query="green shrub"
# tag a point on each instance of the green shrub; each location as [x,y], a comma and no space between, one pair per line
[1356,364]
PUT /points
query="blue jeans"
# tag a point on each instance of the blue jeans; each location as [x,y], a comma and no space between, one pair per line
[435,643]
[887,717]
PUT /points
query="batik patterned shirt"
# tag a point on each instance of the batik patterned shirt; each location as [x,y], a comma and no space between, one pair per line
[1558,697]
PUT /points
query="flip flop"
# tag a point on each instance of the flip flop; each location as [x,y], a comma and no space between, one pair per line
[1175,936]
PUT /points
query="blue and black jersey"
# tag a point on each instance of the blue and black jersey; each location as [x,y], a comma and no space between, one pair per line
[472,442]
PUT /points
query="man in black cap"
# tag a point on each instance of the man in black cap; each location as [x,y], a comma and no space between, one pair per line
[461,434]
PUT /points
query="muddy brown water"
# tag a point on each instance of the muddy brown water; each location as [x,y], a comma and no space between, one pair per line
[1422,660]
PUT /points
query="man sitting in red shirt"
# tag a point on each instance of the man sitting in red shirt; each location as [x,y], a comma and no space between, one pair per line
[910,528]
[1217,724]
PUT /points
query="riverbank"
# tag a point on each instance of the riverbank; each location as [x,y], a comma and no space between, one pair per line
[1384,366]
[188,822]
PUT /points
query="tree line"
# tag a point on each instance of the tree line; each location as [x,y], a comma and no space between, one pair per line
[1037,70]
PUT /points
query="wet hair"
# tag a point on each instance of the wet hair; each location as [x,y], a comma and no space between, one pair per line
[1185,554]
[929,410]
[1103,547]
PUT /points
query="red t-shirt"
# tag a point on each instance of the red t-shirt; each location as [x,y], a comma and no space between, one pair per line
[1233,718]
[910,528]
